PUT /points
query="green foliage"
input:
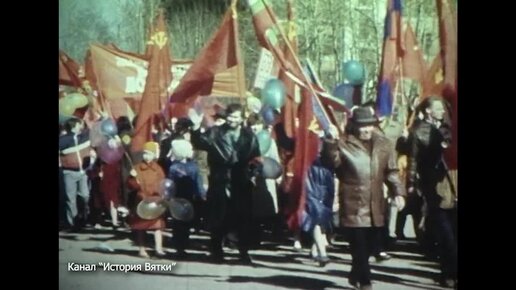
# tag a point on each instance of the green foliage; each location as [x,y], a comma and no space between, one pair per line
[329,31]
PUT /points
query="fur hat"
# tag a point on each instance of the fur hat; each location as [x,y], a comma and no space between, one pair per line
[181,149]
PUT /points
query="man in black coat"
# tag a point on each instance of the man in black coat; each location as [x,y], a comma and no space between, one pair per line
[429,137]
[231,149]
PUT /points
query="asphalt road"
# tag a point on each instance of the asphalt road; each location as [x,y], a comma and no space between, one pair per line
[276,266]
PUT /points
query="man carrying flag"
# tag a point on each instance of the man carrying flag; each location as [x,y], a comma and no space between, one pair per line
[363,161]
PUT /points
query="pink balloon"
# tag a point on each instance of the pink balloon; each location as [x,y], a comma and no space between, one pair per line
[110,154]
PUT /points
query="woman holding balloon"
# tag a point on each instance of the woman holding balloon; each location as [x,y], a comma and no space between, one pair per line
[186,177]
[146,180]
[111,151]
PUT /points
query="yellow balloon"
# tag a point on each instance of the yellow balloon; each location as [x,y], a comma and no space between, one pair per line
[66,107]
[77,99]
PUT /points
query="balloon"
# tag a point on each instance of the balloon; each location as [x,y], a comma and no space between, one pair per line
[273,93]
[77,99]
[108,127]
[354,72]
[167,188]
[66,108]
[271,168]
[268,115]
[264,141]
[181,209]
[110,154]
[151,208]
[96,136]
[345,93]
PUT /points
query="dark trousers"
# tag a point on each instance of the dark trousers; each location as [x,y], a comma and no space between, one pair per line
[363,243]
[235,219]
[181,234]
[379,240]
[62,197]
[412,207]
[441,223]
[96,202]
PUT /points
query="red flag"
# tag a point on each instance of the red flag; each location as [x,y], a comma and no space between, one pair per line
[68,71]
[306,151]
[148,48]
[266,31]
[448,40]
[433,82]
[89,70]
[392,51]
[161,38]
[221,53]
[151,101]
[414,66]
[117,75]
[265,27]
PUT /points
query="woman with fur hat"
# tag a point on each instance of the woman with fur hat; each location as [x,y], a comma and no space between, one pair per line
[145,179]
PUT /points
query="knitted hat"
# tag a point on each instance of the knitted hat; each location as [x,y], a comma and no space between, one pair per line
[152,147]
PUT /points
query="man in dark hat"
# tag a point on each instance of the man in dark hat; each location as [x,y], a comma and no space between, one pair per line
[363,161]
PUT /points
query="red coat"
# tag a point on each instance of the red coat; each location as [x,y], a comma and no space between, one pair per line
[147,183]
[110,184]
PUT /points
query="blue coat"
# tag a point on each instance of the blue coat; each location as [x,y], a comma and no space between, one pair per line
[187,179]
[320,192]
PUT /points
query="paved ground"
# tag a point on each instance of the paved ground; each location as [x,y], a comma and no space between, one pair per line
[276,266]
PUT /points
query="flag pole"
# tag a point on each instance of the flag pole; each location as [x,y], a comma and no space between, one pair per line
[401,84]
[240,65]
[296,59]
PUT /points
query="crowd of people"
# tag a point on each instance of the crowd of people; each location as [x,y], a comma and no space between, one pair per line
[359,179]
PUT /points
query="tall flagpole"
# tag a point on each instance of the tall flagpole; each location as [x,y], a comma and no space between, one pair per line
[298,63]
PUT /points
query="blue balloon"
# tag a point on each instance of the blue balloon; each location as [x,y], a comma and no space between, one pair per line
[271,168]
[274,93]
[345,93]
[354,72]
[268,115]
[264,141]
[108,127]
